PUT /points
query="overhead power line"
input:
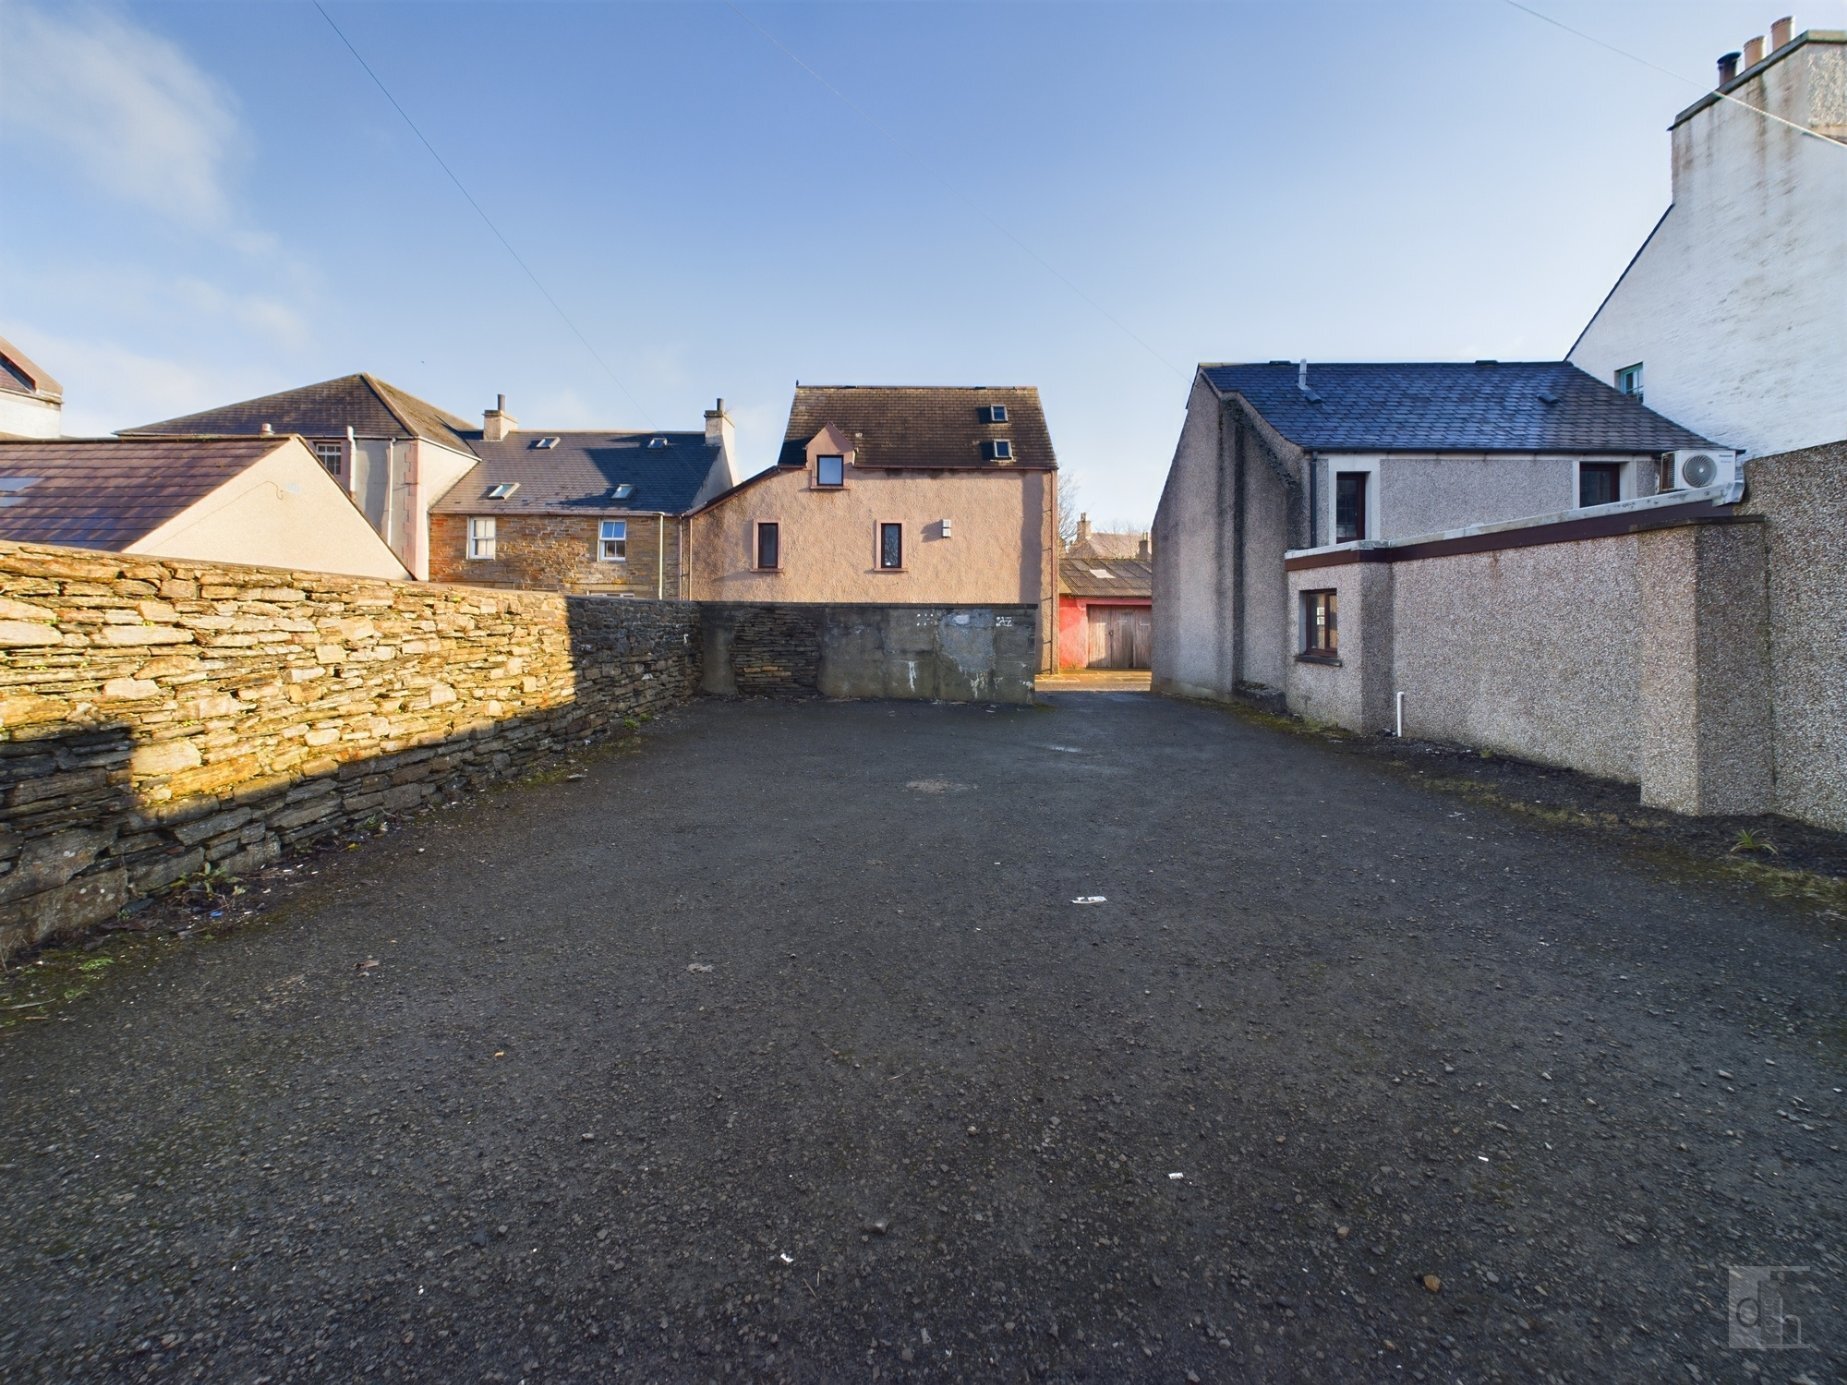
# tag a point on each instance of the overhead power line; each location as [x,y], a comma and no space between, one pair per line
[1669,72]
[963,197]
[487,220]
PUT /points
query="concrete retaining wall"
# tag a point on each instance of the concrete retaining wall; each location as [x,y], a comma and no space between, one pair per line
[157,716]
[954,653]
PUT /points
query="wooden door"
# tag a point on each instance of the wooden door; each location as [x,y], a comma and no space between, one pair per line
[1121,637]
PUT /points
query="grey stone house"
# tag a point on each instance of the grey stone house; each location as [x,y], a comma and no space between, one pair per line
[1297,456]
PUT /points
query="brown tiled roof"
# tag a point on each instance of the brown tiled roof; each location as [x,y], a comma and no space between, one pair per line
[1108,546]
[1129,577]
[921,426]
[101,493]
[20,374]
[367,405]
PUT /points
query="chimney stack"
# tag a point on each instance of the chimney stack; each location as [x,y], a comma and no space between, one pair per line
[1083,528]
[1753,51]
[496,422]
[718,431]
[1728,68]
[1779,32]
[1143,550]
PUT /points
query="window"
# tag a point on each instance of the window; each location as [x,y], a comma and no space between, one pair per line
[544,444]
[502,490]
[830,471]
[891,546]
[1320,632]
[994,413]
[612,541]
[769,546]
[622,492]
[1599,483]
[997,450]
[657,442]
[329,455]
[1349,506]
[480,538]
[1629,379]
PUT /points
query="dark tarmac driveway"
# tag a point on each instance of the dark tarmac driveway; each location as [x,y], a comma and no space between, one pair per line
[778,1049]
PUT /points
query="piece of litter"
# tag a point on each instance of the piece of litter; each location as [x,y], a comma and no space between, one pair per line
[699,968]
[1090,899]
[1176,1175]
[786,1258]
[579,775]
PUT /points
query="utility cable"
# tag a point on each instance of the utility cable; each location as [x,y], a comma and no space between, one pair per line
[975,206]
[1668,72]
[489,221]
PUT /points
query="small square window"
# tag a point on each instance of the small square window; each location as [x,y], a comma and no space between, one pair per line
[481,538]
[1599,483]
[1629,379]
[891,547]
[994,413]
[997,450]
[328,453]
[612,541]
[1320,628]
[769,546]
[830,471]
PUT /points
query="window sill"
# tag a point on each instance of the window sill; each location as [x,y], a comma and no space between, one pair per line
[891,569]
[1326,660]
[767,571]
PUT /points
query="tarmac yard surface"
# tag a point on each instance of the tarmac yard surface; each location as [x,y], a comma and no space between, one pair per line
[779,1049]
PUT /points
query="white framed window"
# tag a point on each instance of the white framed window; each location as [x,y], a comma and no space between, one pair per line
[1629,379]
[328,454]
[612,541]
[997,450]
[994,413]
[481,537]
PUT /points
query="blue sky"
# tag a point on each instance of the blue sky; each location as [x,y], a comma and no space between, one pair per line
[210,201]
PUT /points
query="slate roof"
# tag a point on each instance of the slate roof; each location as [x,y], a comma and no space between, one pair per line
[577,476]
[369,406]
[1127,577]
[1492,406]
[101,493]
[921,425]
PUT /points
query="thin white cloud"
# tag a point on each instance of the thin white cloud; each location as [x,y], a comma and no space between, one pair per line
[126,108]
[108,386]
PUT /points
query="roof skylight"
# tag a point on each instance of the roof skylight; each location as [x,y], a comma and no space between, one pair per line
[657,442]
[502,491]
[545,444]
[622,492]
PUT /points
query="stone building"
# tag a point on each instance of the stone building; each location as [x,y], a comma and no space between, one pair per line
[579,511]
[1732,317]
[1285,456]
[894,496]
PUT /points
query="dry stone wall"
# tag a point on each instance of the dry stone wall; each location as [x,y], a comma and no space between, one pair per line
[159,717]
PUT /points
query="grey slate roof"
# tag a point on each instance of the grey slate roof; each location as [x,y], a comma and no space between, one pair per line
[1125,577]
[100,493]
[921,425]
[578,475]
[366,404]
[1490,406]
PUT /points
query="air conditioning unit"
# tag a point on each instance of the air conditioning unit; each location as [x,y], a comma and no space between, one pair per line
[1696,468]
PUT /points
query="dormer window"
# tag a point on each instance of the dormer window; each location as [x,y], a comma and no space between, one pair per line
[1629,379]
[830,471]
[993,413]
[997,450]
[544,444]
[502,491]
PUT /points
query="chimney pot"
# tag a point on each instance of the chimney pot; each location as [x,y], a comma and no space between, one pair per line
[1779,32]
[1301,375]
[1728,67]
[496,422]
[268,428]
[500,403]
[1753,51]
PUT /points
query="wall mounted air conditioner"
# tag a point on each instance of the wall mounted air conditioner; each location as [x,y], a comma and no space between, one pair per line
[1696,468]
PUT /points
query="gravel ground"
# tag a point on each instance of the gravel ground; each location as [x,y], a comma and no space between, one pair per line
[779,1049]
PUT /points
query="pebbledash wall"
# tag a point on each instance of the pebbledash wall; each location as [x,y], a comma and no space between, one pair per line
[1702,657]
[157,716]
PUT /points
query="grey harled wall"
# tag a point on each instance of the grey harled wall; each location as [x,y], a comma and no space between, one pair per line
[951,653]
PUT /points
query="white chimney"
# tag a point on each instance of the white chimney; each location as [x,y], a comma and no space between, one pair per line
[718,430]
[496,422]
